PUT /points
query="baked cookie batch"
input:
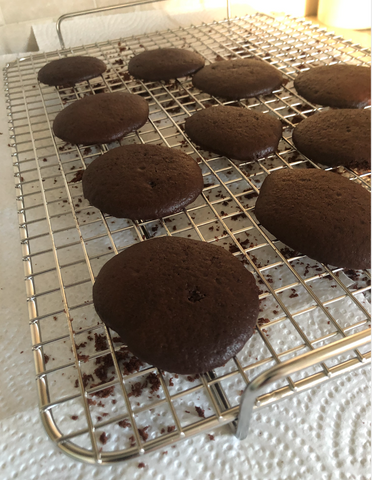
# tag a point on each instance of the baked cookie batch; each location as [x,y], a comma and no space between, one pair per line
[187,306]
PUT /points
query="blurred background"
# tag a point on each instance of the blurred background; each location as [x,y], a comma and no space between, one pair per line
[19,18]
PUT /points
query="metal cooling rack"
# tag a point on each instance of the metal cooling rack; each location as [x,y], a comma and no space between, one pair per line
[97,402]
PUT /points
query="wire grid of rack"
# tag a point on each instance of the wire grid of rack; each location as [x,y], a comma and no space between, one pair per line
[98,402]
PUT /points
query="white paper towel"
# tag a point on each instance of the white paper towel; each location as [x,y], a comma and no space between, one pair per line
[148,18]
[323,434]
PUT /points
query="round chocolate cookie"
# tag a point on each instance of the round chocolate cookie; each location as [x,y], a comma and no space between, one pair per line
[182,305]
[336,137]
[340,86]
[101,118]
[233,79]
[165,64]
[65,72]
[235,132]
[142,182]
[321,214]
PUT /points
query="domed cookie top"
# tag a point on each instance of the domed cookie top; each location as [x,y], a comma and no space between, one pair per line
[235,132]
[142,182]
[233,79]
[101,118]
[340,86]
[336,137]
[65,72]
[182,305]
[321,214]
[165,64]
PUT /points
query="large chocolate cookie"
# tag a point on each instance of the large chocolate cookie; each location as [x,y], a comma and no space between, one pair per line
[336,137]
[65,72]
[165,64]
[235,132]
[182,305]
[142,182]
[241,78]
[321,214]
[340,86]
[101,118]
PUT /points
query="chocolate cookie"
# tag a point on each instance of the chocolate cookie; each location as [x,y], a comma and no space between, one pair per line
[182,305]
[101,118]
[65,72]
[241,78]
[340,86]
[321,214]
[336,137]
[142,182]
[165,64]
[235,132]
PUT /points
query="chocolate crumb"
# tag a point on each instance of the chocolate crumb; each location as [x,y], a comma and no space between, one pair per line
[104,393]
[351,274]
[87,378]
[136,389]
[78,177]
[132,365]
[143,433]
[200,411]
[100,342]
[124,423]
[293,294]
[103,438]
[83,358]
[154,381]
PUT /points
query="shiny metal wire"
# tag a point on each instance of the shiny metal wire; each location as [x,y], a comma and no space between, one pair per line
[52,224]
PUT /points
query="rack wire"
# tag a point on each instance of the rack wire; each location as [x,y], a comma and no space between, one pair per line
[97,401]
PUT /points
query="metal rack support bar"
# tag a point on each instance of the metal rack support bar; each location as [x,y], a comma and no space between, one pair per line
[96,10]
[285,369]
[107,9]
